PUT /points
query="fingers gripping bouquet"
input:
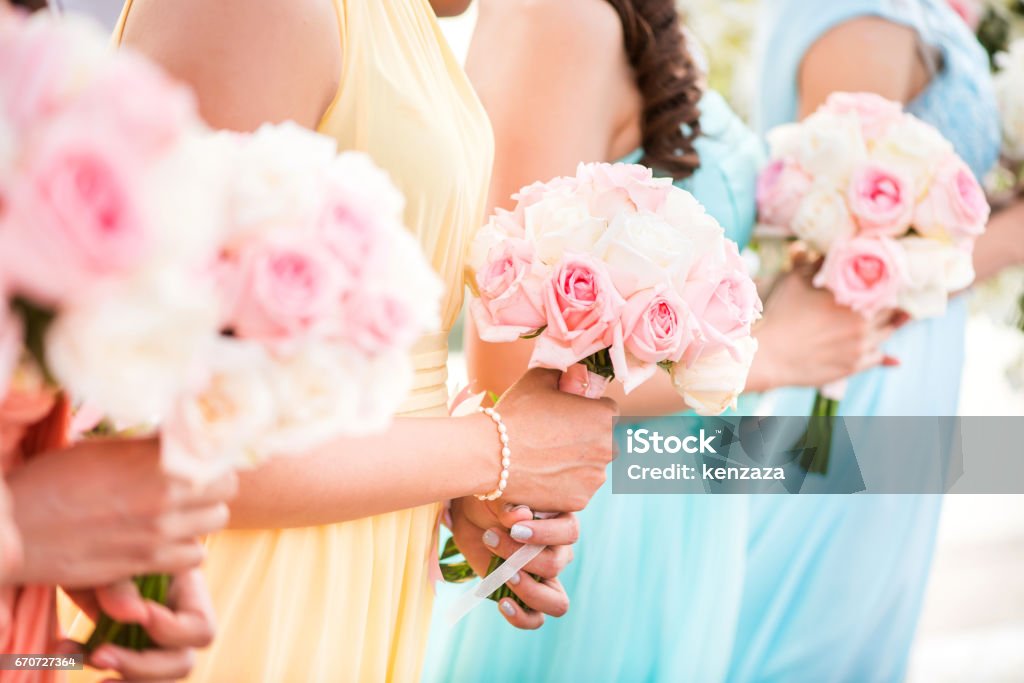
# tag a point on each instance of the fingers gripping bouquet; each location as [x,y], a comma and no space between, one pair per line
[618,275]
[884,198]
[245,296]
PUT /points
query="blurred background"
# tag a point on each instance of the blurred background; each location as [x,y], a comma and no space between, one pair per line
[972,628]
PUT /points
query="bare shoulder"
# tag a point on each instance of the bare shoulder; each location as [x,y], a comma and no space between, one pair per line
[586,27]
[284,56]
[864,54]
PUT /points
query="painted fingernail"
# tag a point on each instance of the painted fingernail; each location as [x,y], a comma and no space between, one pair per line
[515,579]
[508,608]
[490,539]
[521,533]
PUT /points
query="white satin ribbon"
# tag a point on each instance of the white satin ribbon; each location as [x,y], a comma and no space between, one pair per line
[470,599]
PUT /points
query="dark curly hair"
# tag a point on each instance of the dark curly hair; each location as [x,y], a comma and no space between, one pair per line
[29,4]
[669,82]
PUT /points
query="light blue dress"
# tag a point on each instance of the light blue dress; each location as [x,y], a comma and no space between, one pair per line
[656,581]
[834,584]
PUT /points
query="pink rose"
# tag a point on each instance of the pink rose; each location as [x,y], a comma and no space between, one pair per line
[970,11]
[656,326]
[283,291]
[376,324]
[582,307]
[350,234]
[134,98]
[874,112]
[881,200]
[865,273]
[781,187]
[724,303]
[71,218]
[955,206]
[511,300]
[615,188]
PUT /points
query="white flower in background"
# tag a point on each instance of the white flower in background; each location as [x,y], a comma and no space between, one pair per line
[222,425]
[132,347]
[822,218]
[934,271]
[828,147]
[1009,85]
[711,385]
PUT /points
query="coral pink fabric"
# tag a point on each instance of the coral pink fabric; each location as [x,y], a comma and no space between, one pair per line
[29,424]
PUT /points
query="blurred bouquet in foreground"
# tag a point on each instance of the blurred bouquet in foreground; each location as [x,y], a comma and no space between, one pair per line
[887,202]
[322,294]
[617,274]
[245,296]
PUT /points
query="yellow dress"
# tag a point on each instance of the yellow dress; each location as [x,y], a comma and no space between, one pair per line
[352,601]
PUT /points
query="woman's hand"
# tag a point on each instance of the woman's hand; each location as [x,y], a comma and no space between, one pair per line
[481,530]
[102,511]
[561,444]
[807,339]
[177,629]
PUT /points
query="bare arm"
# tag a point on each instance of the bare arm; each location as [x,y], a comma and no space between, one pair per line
[1002,245]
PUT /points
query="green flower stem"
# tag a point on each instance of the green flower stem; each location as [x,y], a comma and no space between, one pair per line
[816,442]
[153,587]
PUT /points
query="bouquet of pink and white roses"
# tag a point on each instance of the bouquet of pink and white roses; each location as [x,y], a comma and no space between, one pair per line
[245,296]
[323,292]
[617,274]
[885,199]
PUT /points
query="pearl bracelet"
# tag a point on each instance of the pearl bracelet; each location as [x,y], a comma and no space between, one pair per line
[506,455]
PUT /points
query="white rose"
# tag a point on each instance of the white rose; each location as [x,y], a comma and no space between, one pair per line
[186,199]
[914,146]
[384,383]
[822,218]
[408,277]
[486,238]
[934,270]
[829,147]
[1010,95]
[684,213]
[713,383]
[375,187]
[785,140]
[560,223]
[221,426]
[134,346]
[640,248]
[8,150]
[316,398]
[277,176]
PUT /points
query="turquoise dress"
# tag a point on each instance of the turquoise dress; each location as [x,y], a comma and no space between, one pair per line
[834,584]
[655,585]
